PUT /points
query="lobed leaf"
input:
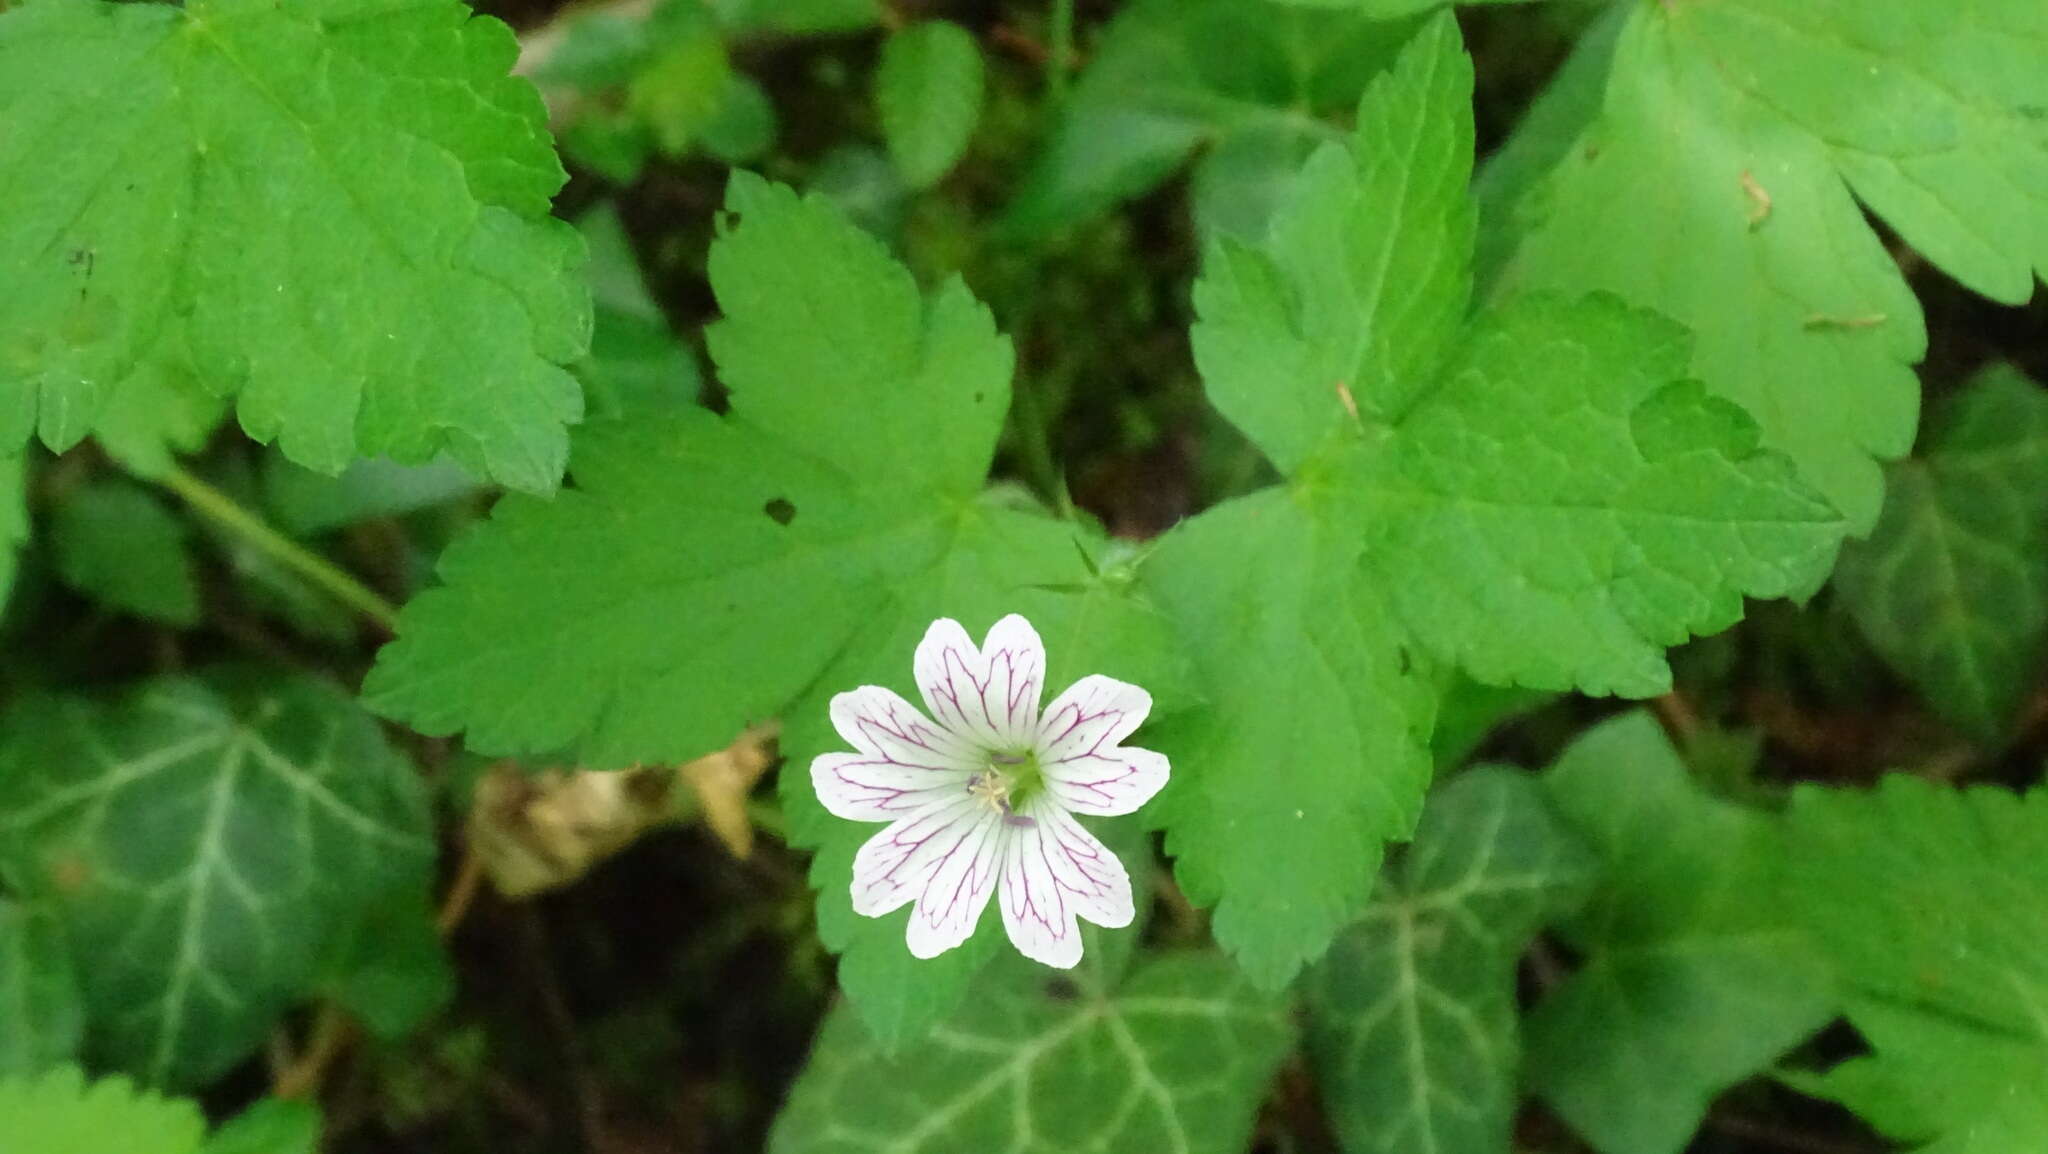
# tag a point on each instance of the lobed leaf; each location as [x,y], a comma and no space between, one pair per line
[61,1113]
[1720,186]
[406,294]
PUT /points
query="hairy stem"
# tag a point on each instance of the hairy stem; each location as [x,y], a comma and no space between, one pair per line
[217,506]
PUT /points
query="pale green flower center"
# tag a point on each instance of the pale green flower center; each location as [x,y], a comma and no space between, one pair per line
[1010,782]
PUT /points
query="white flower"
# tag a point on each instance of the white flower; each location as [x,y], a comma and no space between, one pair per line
[983,801]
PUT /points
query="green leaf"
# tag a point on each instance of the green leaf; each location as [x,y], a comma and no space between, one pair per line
[928,88]
[1695,973]
[1932,904]
[819,503]
[1312,750]
[1564,480]
[412,297]
[1294,331]
[797,17]
[1172,75]
[271,1126]
[1176,1060]
[204,840]
[1721,185]
[1412,1016]
[13,518]
[728,569]
[389,969]
[1952,586]
[636,365]
[41,1019]
[59,1113]
[116,543]
[1544,466]
[304,503]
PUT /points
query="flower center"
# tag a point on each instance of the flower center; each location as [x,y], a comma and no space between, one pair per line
[1010,782]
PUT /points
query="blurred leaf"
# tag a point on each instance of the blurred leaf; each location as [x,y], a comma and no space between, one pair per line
[271,1126]
[13,518]
[797,17]
[743,128]
[41,1018]
[636,366]
[388,968]
[542,831]
[304,503]
[680,90]
[1412,1015]
[1171,75]
[60,1113]
[1952,585]
[1177,1059]
[118,544]
[1696,975]
[1932,904]
[1468,712]
[151,823]
[928,88]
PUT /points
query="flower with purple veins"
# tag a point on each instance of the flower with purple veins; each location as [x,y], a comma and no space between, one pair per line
[980,797]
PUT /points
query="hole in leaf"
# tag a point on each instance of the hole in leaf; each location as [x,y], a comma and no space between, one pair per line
[780,511]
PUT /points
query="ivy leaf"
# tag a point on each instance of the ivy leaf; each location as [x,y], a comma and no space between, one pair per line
[60,1113]
[1249,77]
[1721,184]
[928,88]
[41,1019]
[118,544]
[1952,586]
[1932,904]
[151,824]
[416,299]
[1412,1015]
[1695,974]
[1176,1059]
[728,569]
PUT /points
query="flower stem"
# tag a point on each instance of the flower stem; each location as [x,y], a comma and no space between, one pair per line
[216,505]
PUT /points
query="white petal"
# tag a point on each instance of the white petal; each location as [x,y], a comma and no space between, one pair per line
[1054,872]
[962,880]
[1084,766]
[987,695]
[863,787]
[879,723]
[895,865]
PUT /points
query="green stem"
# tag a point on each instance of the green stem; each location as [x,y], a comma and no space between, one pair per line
[1034,429]
[1062,61]
[215,504]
